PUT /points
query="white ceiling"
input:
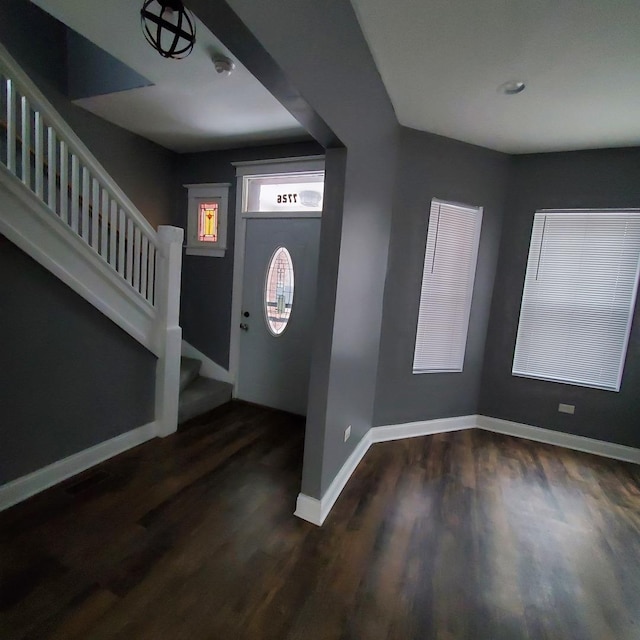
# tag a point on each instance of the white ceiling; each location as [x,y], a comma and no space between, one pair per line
[442,61]
[191,107]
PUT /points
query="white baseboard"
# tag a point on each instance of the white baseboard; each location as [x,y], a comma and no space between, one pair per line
[309,509]
[559,439]
[421,428]
[316,511]
[27,486]
[209,369]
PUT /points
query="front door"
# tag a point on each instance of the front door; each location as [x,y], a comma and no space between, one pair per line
[278,303]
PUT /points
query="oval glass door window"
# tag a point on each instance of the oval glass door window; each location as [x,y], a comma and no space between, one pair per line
[278,291]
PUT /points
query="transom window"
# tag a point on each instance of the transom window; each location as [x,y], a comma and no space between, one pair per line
[300,191]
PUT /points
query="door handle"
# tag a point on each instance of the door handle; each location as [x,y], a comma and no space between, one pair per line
[244,326]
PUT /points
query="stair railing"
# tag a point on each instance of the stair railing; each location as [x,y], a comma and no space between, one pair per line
[41,150]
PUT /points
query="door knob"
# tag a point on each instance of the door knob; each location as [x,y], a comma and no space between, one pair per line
[244,326]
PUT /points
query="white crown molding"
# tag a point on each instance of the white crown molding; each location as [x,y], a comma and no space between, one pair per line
[209,369]
[27,486]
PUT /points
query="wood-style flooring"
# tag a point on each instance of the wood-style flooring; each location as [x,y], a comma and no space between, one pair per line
[459,535]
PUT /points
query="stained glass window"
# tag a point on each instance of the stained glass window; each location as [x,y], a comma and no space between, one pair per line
[208,222]
[278,291]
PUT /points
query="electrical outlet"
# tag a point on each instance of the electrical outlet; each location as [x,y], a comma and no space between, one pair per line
[567,408]
[347,433]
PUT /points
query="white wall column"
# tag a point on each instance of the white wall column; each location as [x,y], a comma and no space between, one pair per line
[169,333]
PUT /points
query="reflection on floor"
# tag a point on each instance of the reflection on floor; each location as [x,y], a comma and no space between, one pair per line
[459,535]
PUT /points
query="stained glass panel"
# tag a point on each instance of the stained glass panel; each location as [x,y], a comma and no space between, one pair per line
[208,222]
[278,291]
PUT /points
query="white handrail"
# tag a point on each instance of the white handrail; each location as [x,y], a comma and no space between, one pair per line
[87,199]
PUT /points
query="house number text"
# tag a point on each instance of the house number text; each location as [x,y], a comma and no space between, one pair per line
[287,198]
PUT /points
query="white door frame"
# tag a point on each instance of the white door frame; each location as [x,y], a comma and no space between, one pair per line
[257,168]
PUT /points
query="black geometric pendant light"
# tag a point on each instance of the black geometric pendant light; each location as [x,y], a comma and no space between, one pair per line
[169,27]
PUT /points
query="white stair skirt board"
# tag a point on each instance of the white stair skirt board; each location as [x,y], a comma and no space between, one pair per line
[32,227]
[560,439]
[315,511]
[27,486]
[209,368]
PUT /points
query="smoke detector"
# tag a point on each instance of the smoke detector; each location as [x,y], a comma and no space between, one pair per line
[222,64]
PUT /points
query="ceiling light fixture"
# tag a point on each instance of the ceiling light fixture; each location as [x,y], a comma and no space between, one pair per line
[169,27]
[512,87]
[222,64]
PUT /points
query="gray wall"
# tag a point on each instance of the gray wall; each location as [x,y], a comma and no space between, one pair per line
[429,167]
[321,50]
[589,179]
[69,377]
[141,168]
[91,71]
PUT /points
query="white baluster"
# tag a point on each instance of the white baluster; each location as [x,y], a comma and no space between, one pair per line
[104,225]
[122,242]
[144,257]
[95,213]
[86,191]
[113,233]
[64,182]
[11,126]
[39,144]
[129,241]
[136,259]
[75,192]
[152,274]
[52,148]
[26,142]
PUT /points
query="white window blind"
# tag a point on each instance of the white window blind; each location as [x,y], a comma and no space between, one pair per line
[578,299]
[447,287]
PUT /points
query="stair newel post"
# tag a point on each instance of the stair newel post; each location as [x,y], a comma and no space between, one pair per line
[169,333]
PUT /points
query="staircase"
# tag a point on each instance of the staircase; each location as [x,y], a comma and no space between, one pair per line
[60,206]
[198,394]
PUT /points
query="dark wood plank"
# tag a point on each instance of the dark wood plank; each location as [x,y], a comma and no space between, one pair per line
[460,535]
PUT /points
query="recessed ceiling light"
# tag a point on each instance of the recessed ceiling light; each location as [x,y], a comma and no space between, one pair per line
[512,87]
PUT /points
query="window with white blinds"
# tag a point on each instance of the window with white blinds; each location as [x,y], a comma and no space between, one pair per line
[578,299]
[447,287]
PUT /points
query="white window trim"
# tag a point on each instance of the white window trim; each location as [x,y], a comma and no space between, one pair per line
[206,192]
[633,302]
[467,309]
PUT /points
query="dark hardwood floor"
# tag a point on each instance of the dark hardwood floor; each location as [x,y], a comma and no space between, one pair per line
[460,535]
